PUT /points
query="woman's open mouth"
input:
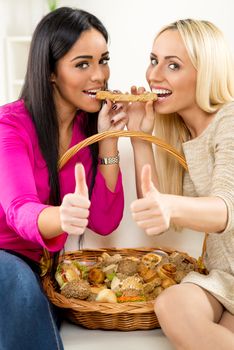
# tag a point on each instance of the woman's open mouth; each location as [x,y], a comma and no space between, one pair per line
[162,93]
[91,93]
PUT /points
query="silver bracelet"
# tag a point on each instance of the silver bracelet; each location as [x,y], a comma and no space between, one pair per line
[109,160]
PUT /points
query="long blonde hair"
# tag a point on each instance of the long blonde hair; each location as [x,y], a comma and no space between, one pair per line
[212,59]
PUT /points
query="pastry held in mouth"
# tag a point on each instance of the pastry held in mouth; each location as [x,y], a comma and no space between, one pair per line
[118,97]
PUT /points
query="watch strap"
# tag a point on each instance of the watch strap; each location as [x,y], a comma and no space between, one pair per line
[109,160]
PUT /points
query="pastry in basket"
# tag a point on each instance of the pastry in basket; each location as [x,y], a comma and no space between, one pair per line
[167,282]
[150,286]
[132,282]
[122,279]
[96,276]
[119,97]
[180,274]
[177,258]
[110,269]
[183,261]
[94,292]
[76,289]
[151,260]
[146,273]
[166,271]
[154,294]
[184,264]
[128,266]
[106,296]
[67,271]
[105,259]
[97,289]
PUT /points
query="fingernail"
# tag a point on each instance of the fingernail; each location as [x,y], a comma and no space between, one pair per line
[114,107]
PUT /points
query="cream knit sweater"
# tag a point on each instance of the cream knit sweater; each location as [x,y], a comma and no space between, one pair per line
[210,159]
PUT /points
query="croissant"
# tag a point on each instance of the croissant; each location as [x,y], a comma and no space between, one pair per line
[166,271]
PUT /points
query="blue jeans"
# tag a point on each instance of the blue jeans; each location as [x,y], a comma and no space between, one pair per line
[27,318]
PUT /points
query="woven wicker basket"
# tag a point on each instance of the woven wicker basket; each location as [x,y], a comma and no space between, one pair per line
[95,315]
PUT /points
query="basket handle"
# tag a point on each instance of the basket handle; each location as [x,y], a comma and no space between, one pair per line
[105,134]
[141,135]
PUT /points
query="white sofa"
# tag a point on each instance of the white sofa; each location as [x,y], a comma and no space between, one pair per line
[75,337]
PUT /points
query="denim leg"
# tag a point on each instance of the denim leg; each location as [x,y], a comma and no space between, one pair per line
[26,316]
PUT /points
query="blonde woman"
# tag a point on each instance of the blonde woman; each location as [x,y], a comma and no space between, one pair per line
[191,71]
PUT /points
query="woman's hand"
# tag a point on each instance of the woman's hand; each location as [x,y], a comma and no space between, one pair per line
[74,210]
[112,117]
[152,212]
[141,116]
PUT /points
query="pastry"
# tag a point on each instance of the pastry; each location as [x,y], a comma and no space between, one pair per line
[132,282]
[106,296]
[76,289]
[118,97]
[167,271]
[67,272]
[128,266]
[96,276]
[151,260]
[167,282]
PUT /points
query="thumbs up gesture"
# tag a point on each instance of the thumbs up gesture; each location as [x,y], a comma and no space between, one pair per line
[152,212]
[74,210]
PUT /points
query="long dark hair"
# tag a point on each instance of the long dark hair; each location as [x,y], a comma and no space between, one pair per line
[53,37]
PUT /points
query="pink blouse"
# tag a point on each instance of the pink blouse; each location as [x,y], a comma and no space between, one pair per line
[24,187]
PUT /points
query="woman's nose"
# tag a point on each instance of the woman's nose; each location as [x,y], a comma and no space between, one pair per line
[156,74]
[98,74]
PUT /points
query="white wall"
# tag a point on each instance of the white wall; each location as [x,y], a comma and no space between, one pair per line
[132,25]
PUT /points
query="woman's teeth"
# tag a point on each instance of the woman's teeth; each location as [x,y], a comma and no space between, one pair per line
[162,92]
[91,93]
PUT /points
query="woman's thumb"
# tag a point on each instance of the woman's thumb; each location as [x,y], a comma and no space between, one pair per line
[146,182]
[81,186]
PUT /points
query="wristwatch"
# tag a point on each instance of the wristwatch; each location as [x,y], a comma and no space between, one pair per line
[109,160]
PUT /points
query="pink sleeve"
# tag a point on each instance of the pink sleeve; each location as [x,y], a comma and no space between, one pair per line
[18,195]
[22,217]
[106,209]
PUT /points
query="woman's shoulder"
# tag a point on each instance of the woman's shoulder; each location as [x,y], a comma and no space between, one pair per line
[15,113]
[15,116]
[226,111]
[222,124]
[224,118]
[12,108]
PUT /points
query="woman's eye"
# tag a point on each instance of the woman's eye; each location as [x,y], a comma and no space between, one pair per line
[82,65]
[105,60]
[174,66]
[153,61]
